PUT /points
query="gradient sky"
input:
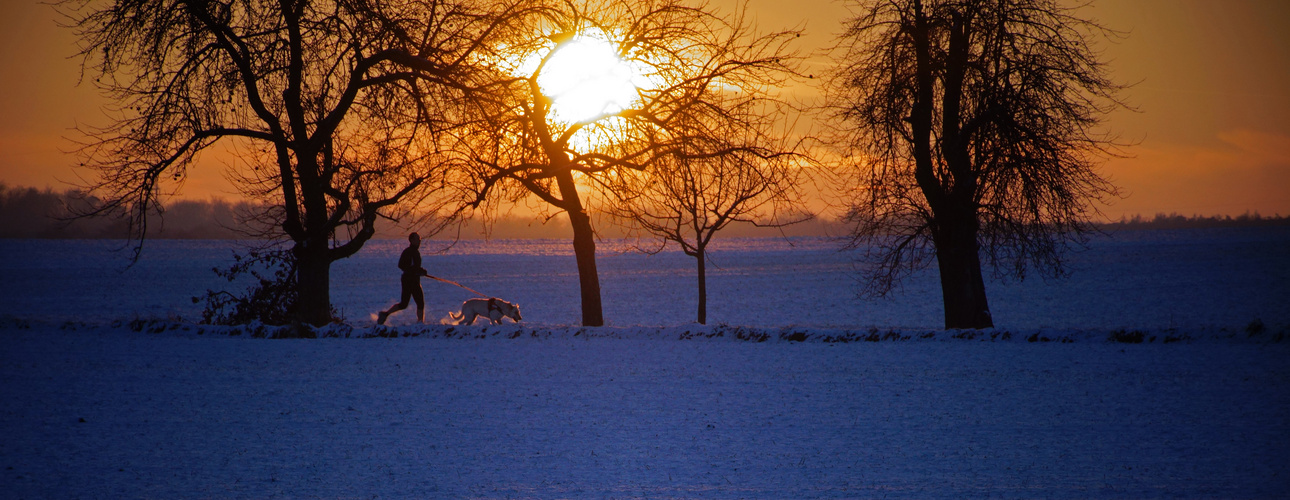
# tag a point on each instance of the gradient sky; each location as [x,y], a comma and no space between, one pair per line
[1212,92]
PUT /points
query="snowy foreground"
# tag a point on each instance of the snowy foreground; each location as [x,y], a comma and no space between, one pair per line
[122,414]
[797,390]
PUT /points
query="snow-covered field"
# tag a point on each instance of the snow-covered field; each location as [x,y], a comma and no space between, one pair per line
[110,390]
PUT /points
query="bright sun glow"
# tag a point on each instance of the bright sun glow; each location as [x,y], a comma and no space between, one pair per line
[585,79]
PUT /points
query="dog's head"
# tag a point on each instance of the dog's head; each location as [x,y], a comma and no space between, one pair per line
[514,313]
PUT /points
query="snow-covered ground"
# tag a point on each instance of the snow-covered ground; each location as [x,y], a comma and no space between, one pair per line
[109,390]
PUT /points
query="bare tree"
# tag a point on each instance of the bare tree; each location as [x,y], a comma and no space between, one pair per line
[690,57]
[743,170]
[337,109]
[974,128]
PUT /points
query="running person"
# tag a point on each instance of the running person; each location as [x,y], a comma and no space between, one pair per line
[410,263]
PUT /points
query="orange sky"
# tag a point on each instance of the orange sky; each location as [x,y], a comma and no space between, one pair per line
[1213,93]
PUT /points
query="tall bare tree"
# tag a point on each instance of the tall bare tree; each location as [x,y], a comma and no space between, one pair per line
[336,108]
[746,169]
[974,126]
[691,56]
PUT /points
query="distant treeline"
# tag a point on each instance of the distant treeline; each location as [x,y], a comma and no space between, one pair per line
[1176,221]
[33,213]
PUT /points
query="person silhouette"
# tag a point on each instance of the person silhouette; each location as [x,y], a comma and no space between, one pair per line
[410,263]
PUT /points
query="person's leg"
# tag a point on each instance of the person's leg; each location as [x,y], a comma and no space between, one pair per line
[404,296]
[419,296]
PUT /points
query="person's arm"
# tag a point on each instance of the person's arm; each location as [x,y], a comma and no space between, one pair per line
[405,262]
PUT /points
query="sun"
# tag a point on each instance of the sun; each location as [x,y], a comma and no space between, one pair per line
[585,79]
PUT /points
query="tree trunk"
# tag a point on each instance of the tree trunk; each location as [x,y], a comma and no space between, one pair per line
[313,283]
[584,250]
[703,289]
[962,285]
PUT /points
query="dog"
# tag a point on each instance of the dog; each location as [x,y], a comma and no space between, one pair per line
[494,309]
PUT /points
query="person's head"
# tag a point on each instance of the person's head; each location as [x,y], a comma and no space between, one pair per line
[414,239]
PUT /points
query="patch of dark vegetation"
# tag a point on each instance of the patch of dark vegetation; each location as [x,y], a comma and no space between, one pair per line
[1039,337]
[966,334]
[150,325]
[1127,336]
[742,333]
[1256,328]
[746,334]
[893,335]
[258,331]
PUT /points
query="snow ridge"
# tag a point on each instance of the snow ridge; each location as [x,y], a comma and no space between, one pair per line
[1255,333]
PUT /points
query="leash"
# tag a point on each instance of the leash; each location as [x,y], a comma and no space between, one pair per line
[450,282]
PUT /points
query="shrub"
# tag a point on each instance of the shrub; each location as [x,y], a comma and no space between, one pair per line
[272,300]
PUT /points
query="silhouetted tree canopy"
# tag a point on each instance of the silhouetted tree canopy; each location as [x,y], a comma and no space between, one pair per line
[336,109]
[974,130]
[694,57]
[746,169]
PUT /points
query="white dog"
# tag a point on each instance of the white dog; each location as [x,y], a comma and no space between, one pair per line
[494,309]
